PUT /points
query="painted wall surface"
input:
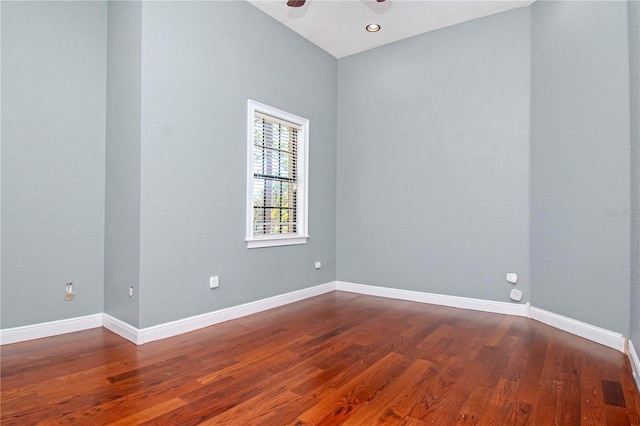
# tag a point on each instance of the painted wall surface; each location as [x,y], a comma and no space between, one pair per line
[580,150]
[433,160]
[53,126]
[634,61]
[122,224]
[201,61]
[433,185]
[2,125]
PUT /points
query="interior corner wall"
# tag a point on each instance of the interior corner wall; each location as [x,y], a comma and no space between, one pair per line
[433,160]
[634,61]
[122,193]
[431,173]
[53,125]
[201,62]
[580,168]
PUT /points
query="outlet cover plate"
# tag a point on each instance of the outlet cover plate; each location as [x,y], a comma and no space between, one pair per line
[214,282]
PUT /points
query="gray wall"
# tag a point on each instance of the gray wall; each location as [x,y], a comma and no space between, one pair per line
[634,60]
[122,225]
[580,180]
[201,61]
[53,125]
[433,161]
[2,125]
[428,189]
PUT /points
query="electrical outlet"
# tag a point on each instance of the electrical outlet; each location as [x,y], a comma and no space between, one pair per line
[68,292]
[318,265]
[214,282]
[516,295]
[512,277]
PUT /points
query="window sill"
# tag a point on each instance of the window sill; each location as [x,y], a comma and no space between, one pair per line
[276,241]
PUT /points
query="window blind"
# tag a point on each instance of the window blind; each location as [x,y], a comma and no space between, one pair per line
[275,176]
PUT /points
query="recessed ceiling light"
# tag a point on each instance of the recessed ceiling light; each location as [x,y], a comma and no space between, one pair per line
[373,28]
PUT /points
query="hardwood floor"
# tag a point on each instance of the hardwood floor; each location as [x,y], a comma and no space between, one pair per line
[339,358]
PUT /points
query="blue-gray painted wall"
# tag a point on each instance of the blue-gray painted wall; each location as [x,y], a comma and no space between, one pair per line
[580,150]
[1,171]
[201,61]
[122,202]
[433,160]
[175,164]
[53,160]
[438,124]
[634,61]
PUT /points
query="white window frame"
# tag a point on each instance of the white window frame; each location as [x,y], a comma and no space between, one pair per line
[302,210]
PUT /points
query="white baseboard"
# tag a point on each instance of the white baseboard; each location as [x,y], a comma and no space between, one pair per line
[591,332]
[174,328]
[140,336]
[121,328]
[635,363]
[185,325]
[48,329]
[521,310]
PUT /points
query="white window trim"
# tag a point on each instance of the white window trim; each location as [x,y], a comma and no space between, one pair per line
[302,197]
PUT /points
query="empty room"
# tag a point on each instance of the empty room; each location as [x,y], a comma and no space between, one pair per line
[320,212]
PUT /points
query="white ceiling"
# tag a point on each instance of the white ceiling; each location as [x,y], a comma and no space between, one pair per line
[338,26]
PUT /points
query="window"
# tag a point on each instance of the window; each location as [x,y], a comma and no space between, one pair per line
[277,146]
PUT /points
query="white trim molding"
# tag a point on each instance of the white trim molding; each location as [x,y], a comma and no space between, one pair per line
[48,329]
[521,310]
[257,110]
[157,332]
[591,332]
[635,363]
[185,325]
[121,328]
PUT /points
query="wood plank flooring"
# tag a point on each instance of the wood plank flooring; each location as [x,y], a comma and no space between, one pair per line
[338,358]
